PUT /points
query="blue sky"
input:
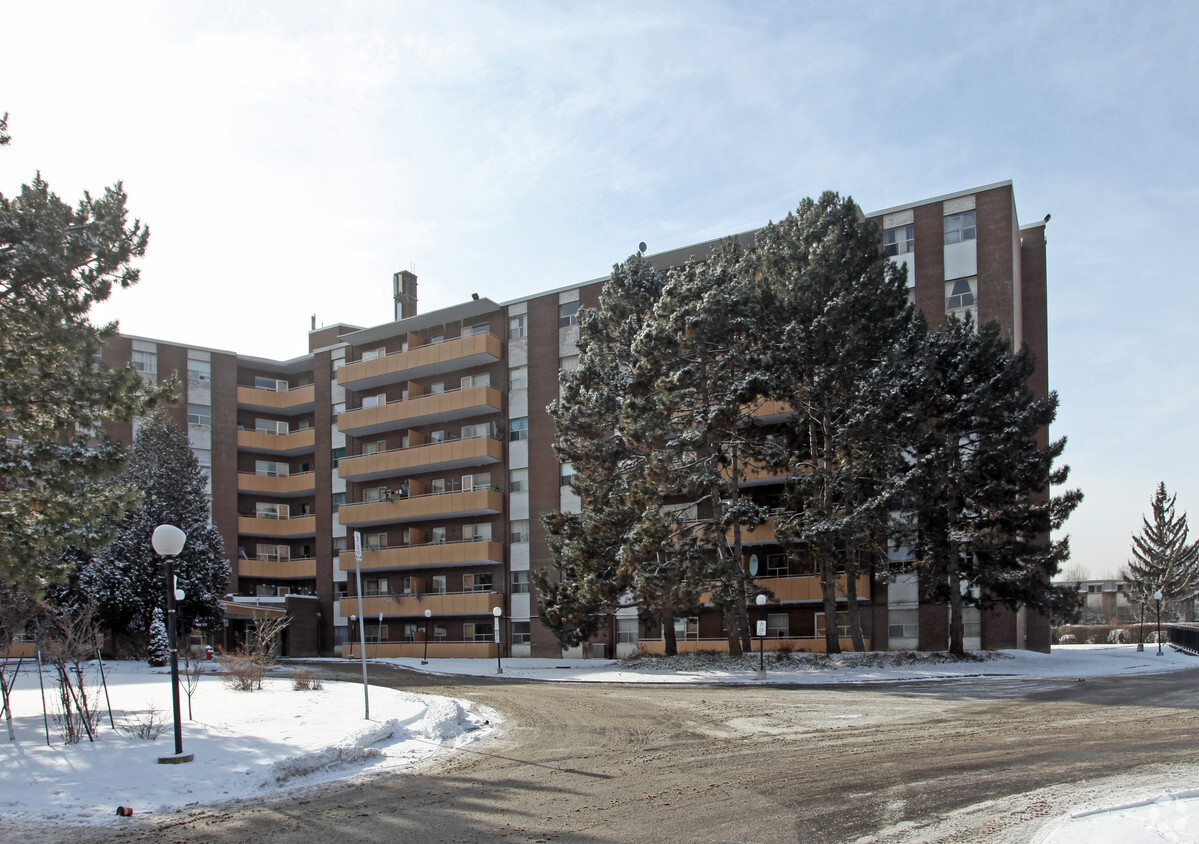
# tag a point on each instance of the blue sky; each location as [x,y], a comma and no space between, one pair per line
[289,157]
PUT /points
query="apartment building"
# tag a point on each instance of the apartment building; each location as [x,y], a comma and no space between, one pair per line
[427,436]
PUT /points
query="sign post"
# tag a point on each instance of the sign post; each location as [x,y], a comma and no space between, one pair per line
[366,698]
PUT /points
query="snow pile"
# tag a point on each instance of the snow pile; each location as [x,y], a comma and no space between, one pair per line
[247,745]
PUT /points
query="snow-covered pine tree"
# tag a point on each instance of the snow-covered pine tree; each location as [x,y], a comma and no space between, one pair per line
[55,460]
[158,653]
[840,345]
[985,510]
[1162,556]
[126,579]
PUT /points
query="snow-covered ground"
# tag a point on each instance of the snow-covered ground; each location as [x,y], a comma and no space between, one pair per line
[251,745]
[246,744]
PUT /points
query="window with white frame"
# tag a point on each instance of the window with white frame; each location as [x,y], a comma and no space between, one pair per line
[568,314]
[470,432]
[437,436]
[437,486]
[565,472]
[271,468]
[626,631]
[374,447]
[374,541]
[478,379]
[273,553]
[204,458]
[518,480]
[520,583]
[472,632]
[437,388]
[519,531]
[478,532]
[842,625]
[199,414]
[374,587]
[959,227]
[408,633]
[899,240]
[372,494]
[199,370]
[518,378]
[479,480]
[686,628]
[372,354]
[476,582]
[903,624]
[521,634]
[271,510]
[275,385]
[776,565]
[437,584]
[479,328]
[437,536]
[271,426]
[961,297]
[518,429]
[777,626]
[518,326]
[146,362]
[339,498]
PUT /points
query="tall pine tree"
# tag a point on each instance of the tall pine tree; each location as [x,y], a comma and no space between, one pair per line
[126,579]
[56,463]
[1162,556]
[985,510]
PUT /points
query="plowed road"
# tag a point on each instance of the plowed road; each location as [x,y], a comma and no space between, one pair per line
[970,761]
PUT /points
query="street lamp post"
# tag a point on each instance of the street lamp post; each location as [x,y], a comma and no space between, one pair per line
[1157,596]
[353,630]
[168,541]
[761,602]
[428,616]
[1141,637]
[497,612]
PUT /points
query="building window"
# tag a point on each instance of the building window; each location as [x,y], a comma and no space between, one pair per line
[146,362]
[480,328]
[686,628]
[437,536]
[899,240]
[437,388]
[440,633]
[338,453]
[518,480]
[565,472]
[776,625]
[626,631]
[437,436]
[271,468]
[842,625]
[338,409]
[269,510]
[520,583]
[479,532]
[959,227]
[479,480]
[479,379]
[903,624]
[776,565]
[472,632]
[518,327]
[518,429]
[437,584]
[961,295]
[199,370]
[480,582]
[470,432]
[375,587]
[339,498]
[519,530]
[437,486]
[374,541]
[568,314]
[372,354]
[374,447]
[520,633]
[275,385]
[518,378]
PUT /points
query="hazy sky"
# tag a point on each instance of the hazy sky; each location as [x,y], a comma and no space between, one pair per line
[289,157]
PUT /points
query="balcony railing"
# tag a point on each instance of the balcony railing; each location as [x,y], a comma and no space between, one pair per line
[296,526]
[433,554]
[451,603]
[296,400]
[296,442]
[435,407]
[430,359]
[437,649]
[296,569]
[476,502]
[430,457]
[300,484]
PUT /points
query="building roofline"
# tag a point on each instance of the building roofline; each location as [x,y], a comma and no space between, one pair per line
[943,198]
[441,316]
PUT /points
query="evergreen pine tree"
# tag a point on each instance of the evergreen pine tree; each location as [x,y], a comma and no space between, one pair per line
[159,652]
[840,341]
[1162,557]
[126,579]
[985,511]
[56,463]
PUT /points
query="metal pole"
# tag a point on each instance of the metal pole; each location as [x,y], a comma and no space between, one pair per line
[1159,626]
[1141,637]
[428,618]
[366,698]
[171,636]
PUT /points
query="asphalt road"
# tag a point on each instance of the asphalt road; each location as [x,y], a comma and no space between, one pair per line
[971,761]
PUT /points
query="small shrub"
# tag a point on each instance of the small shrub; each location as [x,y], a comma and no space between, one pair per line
[148,725]
[242,672]
[305,680]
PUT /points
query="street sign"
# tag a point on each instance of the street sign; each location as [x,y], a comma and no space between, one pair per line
[357,547]
[497,629]
[761,628]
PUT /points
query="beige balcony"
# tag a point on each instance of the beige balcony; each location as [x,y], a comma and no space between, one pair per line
[422,458]
[418,649]
[438,407]
[302,569]
[443,555]
[763,534]
[297,442]
[295,400]
[807,587]
[479,502]
[301,484]
[432,359]
[295,527]
[755,475]
[455,603]
[771,411]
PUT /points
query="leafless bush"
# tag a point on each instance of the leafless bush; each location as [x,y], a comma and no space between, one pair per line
[242,672]
[305,680]
[148,725]
[68,646]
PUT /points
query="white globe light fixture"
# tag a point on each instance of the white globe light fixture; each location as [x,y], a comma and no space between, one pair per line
[168,542]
